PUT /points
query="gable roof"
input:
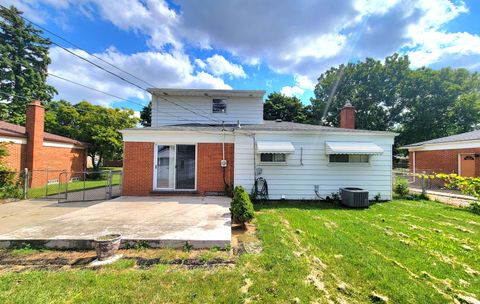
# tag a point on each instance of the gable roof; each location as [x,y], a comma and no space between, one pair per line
[11,130]
[467,136]
[268,125]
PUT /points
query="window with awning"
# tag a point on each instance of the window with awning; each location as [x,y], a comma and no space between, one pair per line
[352,147]
[275,147]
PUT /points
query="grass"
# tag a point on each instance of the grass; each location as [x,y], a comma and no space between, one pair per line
[53,189]
[408,251]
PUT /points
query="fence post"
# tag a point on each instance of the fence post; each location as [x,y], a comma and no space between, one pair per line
[109,184]
[46,184]
[424,187]
[25,183]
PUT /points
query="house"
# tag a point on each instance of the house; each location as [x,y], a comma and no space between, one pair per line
[452,154]
[202,141]
[32,148]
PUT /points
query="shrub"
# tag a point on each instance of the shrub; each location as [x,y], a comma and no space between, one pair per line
[242,207]
[400,186]
[474,207]
[9,186]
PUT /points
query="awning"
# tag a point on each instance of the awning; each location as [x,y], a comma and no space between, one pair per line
[352,147]
[275,147]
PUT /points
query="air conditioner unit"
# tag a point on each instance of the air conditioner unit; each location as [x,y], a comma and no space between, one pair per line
[354,197]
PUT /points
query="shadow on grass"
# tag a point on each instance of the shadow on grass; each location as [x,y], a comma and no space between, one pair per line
[299,204]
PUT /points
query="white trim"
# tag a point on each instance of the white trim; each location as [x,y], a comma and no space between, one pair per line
[447,146]
[13,140]
[155,155]
[149,135]
[61,145]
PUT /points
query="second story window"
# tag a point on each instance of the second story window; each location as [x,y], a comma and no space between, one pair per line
[219,105]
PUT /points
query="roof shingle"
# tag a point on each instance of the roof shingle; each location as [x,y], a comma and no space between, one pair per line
[472,135]
[11,130]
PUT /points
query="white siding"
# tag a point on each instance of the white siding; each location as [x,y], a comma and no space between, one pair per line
[297,182]
[247,110]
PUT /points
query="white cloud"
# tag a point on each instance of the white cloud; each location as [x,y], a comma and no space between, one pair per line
[292,91]
[157,68]
[219,66]
[304,82]
[200,63]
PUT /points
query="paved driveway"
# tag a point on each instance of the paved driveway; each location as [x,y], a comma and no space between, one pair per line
[159,221]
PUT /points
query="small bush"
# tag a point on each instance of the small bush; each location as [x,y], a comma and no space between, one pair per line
[400,186]
[474,207]
[242,207]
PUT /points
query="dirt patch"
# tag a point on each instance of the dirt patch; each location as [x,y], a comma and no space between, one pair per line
[11,261]
[245,239]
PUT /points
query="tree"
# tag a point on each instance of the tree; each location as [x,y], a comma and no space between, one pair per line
[420,104]
[372,86]
[23,66]
[146,115]
[96,125]
[279,106]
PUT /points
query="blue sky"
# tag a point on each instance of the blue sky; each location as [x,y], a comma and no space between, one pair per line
[272,45]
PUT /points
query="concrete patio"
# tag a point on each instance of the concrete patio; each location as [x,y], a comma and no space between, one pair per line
[203,222]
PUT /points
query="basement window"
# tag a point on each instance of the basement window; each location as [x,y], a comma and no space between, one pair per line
[273,158]
[219,105]
[349,158]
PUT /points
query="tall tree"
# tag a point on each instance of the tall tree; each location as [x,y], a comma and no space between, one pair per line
[23,66]
[279,106]
[420,104]
[96,125]
[146,115]
[372,86]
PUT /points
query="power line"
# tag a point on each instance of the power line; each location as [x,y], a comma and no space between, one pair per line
[116,75]
[93,55]
[87,87]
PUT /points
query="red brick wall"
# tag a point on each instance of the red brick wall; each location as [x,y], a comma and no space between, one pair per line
[137,168]
[441,161]
[16,158]
[209,171]
[138,159]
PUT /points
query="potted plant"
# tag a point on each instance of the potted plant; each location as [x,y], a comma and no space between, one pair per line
[107,245]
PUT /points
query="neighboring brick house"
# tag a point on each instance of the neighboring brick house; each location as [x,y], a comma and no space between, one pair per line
[32,148]
[204,141]
[459,154]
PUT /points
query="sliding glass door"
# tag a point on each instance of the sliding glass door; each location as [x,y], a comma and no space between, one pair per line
[175,167]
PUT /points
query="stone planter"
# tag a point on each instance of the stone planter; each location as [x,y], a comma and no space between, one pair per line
[107,245]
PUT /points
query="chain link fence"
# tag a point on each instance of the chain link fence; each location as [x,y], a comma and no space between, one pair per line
[61,185]
[425,182]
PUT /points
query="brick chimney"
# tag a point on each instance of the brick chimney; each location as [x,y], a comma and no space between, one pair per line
[34,127]
[347,116]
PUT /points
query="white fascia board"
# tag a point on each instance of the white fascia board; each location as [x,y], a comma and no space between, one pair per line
[13,140]
[467,144]
[176,136]
[61,145]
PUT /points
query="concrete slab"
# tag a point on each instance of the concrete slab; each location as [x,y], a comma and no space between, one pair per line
[160,221]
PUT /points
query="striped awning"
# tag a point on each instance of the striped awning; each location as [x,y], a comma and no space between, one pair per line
[352,147]
[275,147]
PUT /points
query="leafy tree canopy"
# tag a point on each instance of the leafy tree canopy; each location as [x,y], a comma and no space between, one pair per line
[23,66]
[279,106]
[96,125]
[420,104]
[146,115]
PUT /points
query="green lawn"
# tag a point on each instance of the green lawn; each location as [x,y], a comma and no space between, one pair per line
[408,251]
[53,189]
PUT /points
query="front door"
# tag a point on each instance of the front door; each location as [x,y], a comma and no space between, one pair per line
[175,167]
[185,167]
[467,165]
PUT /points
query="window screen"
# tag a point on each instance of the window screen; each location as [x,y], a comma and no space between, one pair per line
[219,106]
[348,158]
[273,157]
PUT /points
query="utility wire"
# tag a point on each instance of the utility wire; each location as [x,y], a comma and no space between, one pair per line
[114,74]
[93,55]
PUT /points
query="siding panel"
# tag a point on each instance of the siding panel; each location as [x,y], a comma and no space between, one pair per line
[297,182]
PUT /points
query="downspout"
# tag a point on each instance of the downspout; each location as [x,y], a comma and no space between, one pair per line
[414,166]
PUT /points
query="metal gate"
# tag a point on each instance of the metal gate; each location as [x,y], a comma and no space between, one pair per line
[89,186]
